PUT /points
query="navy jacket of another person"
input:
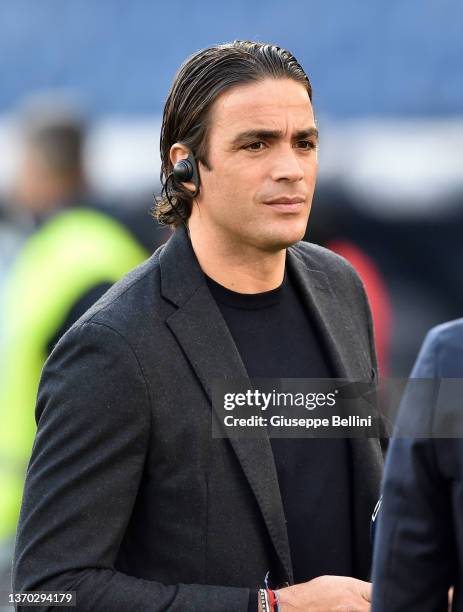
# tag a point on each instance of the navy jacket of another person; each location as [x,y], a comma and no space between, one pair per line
[419,541]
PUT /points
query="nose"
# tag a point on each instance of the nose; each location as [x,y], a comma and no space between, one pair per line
[287,166]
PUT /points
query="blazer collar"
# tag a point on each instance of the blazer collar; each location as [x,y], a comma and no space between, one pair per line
[320,301]
[181,277]
[180,272]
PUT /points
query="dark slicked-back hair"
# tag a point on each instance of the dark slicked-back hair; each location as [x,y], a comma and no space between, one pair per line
[201,79]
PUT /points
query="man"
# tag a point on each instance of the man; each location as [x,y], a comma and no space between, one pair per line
[419,541]
[129,499]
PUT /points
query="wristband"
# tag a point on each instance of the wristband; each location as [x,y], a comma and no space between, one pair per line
[271,599]
[263,598]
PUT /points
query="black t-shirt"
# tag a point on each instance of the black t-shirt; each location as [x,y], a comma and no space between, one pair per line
[276,338]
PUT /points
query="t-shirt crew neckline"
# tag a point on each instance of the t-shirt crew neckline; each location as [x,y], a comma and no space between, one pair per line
[246,301]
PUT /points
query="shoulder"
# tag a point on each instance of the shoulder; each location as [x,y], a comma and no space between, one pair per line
[319,258]
[109,338]
[441,354]
[341,275]
[447,333]
[132,306]
[136,293]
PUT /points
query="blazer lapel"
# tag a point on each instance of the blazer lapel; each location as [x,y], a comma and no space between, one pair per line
[204,336]
[322,305]
[344,349]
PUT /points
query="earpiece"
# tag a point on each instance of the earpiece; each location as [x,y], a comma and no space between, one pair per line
[186,171]
[183,171]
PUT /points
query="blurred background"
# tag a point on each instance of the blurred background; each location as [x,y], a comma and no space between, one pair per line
[82,91]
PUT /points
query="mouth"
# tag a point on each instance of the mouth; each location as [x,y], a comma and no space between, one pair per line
[285,204]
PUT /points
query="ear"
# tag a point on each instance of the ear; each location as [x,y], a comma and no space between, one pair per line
[177,152]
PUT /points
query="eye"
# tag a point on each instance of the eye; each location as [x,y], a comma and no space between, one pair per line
[306,145]
[255,146]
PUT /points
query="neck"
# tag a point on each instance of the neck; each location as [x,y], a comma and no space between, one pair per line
[239,267]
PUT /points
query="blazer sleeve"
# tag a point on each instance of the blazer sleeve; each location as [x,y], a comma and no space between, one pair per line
[413,563]
[82,481]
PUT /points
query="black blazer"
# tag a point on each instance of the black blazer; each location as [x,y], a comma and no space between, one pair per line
[419,540]
[128,498]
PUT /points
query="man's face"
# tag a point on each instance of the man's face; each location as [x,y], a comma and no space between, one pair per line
[262,153]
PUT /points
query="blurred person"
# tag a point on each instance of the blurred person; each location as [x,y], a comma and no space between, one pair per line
[419,539]
[377,292]
[74,255]
[12,236]
[129,500]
